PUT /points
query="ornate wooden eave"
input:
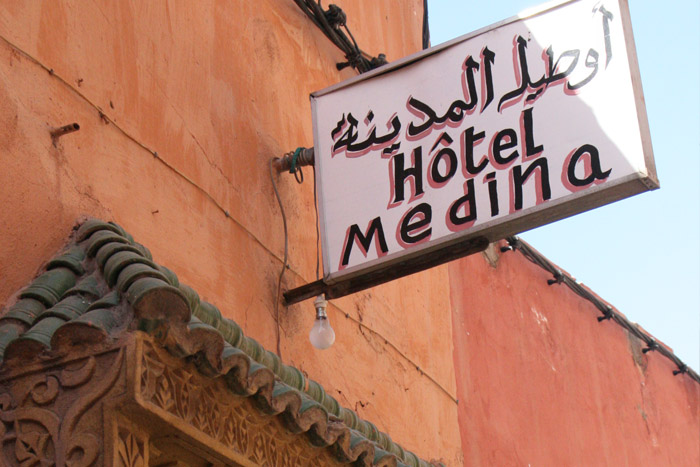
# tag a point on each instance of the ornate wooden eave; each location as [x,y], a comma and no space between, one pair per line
[135,404]
[109,360]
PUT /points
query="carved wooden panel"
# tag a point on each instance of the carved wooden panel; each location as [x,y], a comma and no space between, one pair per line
[130,443]
[219,418]
[131,450]
[52,415]
[158,410]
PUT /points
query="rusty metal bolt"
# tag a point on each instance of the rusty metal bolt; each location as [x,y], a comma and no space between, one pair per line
[65,129]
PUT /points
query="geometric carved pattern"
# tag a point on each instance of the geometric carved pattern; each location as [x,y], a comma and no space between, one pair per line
[131,451]
[208,406]
[52,416]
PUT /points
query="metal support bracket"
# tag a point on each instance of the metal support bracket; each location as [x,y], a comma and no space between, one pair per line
[385,274]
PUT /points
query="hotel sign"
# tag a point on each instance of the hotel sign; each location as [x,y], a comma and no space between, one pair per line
[505,129]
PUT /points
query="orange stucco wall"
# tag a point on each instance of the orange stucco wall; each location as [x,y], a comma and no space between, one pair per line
[542,382]
[217,89]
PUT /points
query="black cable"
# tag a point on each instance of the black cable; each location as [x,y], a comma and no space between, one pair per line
[333,23]
[286,254]
[318,234]
[426,26]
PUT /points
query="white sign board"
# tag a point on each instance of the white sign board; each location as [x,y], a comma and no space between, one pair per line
[505,129]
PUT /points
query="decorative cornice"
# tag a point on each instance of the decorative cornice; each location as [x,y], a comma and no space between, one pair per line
[105,283]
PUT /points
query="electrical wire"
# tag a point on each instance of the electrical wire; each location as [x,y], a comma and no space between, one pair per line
[393,346]
[330,22]
[286,254]
[299,176]
[318,235]
[608,312]
[425,37]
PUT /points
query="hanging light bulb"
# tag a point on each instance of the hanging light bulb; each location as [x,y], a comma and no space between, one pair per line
[322,335]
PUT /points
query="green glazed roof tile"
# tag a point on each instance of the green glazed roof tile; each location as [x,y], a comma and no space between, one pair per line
[397,450]
[190,295]
[33,342]
[231,332]
[170,276]
[125,234]
[71,307]
[144,251]
[120,260]
[136,271]
[25,310]
[102,238]
[331,404]
[105,283]
[9,331]
[255,350]
[268,360]
[156,299]
[208,313]
[108,249]
[107,301]
[309,404]
[43,329]
[385,441]
[381,457]
[91,226]
[71,259]
[104,319]
[50,286]
[88,286]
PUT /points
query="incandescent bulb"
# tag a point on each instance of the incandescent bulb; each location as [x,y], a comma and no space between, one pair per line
[322,335]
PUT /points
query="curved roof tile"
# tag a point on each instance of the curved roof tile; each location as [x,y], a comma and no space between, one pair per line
[105,283]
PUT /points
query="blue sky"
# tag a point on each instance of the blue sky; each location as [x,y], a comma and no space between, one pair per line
[641,254]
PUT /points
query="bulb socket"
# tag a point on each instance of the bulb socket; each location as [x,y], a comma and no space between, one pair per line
[320,304]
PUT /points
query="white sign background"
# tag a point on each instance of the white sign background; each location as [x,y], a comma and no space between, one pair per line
[585,100]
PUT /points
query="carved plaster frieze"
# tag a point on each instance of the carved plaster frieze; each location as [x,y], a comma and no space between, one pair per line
[138,405]
[210,413]
[51,415]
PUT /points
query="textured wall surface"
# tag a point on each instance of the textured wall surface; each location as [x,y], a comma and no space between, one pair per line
[542,382]
[216,89]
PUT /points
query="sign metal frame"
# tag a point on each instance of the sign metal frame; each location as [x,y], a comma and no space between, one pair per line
[475,239]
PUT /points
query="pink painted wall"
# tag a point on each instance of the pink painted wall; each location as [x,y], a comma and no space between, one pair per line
[542,382]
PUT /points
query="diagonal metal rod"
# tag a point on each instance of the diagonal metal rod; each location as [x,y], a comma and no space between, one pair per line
[386,273]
